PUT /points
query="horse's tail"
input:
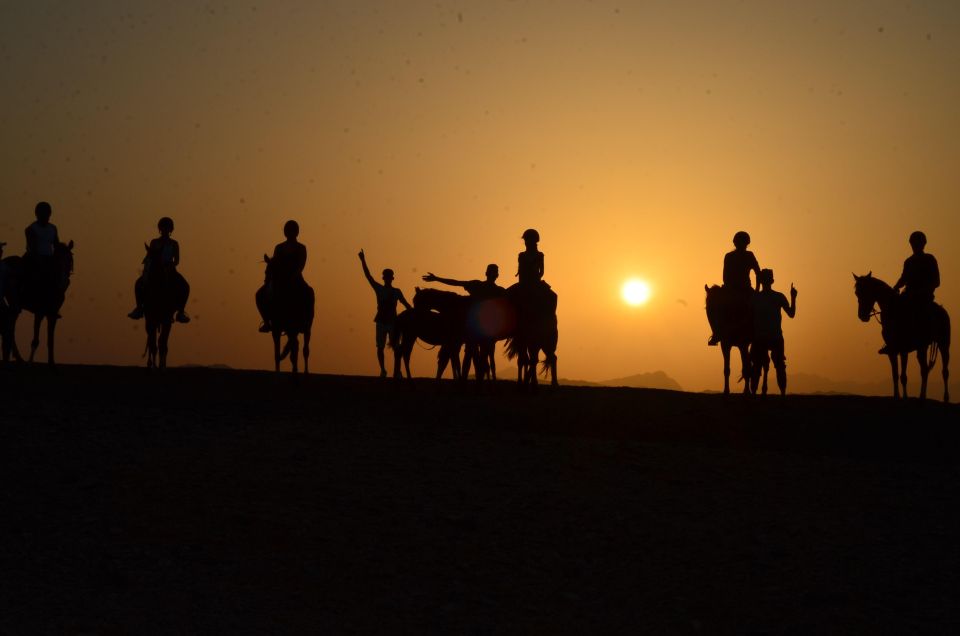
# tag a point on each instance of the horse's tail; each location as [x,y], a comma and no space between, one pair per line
[510,348]
[547,364]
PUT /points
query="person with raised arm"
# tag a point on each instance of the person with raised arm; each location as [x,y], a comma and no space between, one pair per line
[387,298]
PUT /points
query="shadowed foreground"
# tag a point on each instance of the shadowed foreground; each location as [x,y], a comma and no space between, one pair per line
[248,505]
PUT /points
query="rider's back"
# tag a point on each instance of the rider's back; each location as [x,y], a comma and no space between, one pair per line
[921,275]
[737,266]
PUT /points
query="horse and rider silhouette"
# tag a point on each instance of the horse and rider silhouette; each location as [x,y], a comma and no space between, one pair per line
[748,318]
[161,294]
[36,282]
[911,322]
[524,315]
[285,301]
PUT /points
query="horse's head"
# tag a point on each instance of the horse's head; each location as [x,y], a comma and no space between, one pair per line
[63,252]
[869,290]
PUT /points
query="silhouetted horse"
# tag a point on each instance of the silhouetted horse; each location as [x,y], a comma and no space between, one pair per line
[438,318]
[480,322]
[536,330]
[8,313]
[733,324]
[41,293]
[291,310]
[160,303]
[903,331]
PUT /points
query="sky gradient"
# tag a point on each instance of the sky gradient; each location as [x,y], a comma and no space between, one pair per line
[637,138]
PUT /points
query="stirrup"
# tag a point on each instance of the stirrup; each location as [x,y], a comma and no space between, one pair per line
[265,327]
[713,341]
[182,317]
[136,314]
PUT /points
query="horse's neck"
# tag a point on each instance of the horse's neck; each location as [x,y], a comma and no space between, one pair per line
[442,301]
[884,294]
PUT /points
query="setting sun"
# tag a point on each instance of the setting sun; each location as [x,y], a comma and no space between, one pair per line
[635,292]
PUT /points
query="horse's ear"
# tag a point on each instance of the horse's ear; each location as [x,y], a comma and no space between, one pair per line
[70,244]
[706,288]
[416,289]
[855,277]
[869,274]
[146,247]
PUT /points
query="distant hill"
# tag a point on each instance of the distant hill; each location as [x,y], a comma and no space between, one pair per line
[812,384]
[653,380]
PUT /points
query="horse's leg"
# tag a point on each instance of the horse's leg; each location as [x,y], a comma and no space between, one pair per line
[895,373]
[468,358]
[532,368]
[924,370]
[35,343]
[293,343]
[945,359]
[491,356]
[455,363]
[151,329]
[164,344]
[442,357]
[51,329]
[276,349]
[903,374]
[306,352]
[725,349]
[552,359]
[745,370]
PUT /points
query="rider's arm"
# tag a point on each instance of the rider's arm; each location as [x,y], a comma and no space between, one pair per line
[176,253]
[31,240]
[403,301]
[755,266]
[540,267]
[903,277]
[935,278]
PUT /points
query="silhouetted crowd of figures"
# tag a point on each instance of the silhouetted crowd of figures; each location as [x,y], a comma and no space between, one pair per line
[741,314]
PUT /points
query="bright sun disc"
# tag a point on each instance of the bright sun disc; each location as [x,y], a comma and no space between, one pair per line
[635,292]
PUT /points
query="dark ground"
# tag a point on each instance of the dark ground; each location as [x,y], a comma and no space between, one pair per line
[212,501]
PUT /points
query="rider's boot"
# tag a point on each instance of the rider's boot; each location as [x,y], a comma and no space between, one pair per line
[182,316]
[713,341]
[136,314]
[265,327]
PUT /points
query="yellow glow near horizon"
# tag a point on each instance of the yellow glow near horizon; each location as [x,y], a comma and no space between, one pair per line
[635,292]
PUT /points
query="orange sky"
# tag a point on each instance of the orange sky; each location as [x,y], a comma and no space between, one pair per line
[636,139]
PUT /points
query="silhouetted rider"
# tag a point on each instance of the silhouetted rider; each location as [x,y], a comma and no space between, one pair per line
[284,273]
[919,280]
[921,274]
[387,298]
[737,266]
[163,257]
[42,240]
[767,330]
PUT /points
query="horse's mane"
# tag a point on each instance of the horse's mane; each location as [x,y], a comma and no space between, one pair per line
[870,279]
